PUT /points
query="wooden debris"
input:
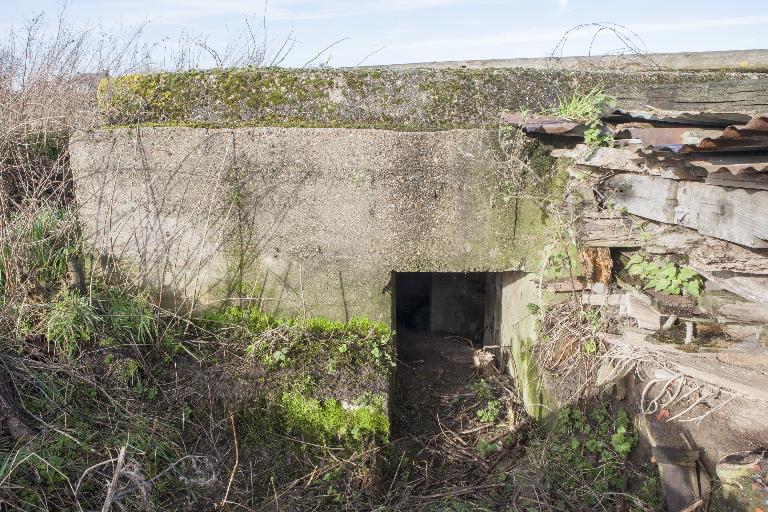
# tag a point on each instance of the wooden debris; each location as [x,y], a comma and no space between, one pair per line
[729,214]
[641,309]
[727,306]
[596,264]
[566,284]
[714,369]
[754,288]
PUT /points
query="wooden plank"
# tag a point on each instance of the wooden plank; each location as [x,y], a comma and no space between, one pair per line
[748,95]
[707,368]
[610,229]
[713,255]
[566,284]
[754,288]
[724,212]
[651,197]
[601,299]
[640,308]
[757,181]
[729,306]
[736,215]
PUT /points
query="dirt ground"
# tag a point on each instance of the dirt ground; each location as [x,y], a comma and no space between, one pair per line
[442,404]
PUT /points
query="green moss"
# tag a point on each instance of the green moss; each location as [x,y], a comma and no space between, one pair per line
[321,419]
[375,98]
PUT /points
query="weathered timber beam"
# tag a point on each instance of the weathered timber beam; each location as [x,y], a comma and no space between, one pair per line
[731,307]
[704,253]
[725,96]
[714,369]
[754,288]
[726,213]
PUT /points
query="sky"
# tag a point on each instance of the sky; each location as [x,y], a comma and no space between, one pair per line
[371,32]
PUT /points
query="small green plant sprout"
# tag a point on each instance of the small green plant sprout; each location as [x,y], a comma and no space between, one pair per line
[490,413]
[533,308]
[486,449]
[593,317]
[590,346]
[481,389]
[559,263]
[588,107]
[665,276]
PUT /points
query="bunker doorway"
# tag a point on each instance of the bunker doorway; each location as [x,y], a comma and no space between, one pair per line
[441,303]
[442,321]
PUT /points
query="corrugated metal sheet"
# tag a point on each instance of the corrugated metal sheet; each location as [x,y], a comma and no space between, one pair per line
[740,164]
[749,137]
[652,135]
[716,119]
[544,124]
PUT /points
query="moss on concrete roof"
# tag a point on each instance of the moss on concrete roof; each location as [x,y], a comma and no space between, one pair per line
[381,98]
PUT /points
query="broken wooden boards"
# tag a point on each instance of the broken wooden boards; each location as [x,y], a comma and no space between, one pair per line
[732,214]
[730,266]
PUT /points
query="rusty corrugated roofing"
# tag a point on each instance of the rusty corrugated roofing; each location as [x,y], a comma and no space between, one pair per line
[741,164]
[716,119]
[544,124]
[652,135]
[752,136]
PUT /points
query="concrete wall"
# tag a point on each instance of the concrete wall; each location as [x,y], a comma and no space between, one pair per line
[511,327]
[297,219]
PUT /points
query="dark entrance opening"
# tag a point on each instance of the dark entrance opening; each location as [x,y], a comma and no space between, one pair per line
[445,324]
[441,303]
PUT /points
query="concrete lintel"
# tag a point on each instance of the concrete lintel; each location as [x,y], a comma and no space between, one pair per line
[729,60]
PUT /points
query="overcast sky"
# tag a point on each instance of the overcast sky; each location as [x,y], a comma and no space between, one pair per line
[397,31]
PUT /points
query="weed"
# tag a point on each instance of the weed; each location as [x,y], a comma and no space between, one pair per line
[585,458]
[129,315]
[490,413]
[594,318]
[481,389]
[665,276]
[559,264]
[484,448]
[588,107]
[72,322]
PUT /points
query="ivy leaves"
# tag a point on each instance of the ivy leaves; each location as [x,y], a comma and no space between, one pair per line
[666,277]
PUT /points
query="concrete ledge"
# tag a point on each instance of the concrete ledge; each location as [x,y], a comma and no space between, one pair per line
[729,60]
[403,99]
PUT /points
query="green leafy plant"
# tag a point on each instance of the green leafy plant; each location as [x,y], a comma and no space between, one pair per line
[481,389]
[130,316]
[71,322]
[560,264]
[490,413]
[587,106]
[665,276]
[585,458]
[485,449]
